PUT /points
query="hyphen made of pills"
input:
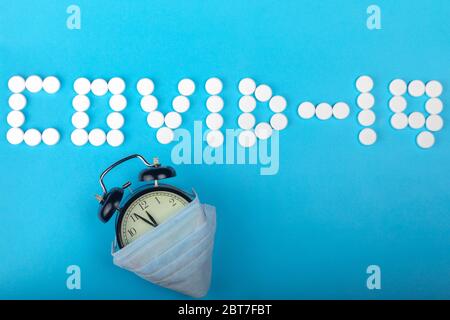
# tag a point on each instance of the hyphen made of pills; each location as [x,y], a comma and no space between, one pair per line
[428,122]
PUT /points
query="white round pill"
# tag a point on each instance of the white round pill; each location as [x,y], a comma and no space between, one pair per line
[425,140]
[17,101]
[32,137]
[434,106]
[247,86]
[341,110]
[82,86]
[50,136]
[81,103]
[80,120]
[214,138]
[366,100]
[398,87]
[247,103]
[324,111]
[117,102]
[15,119]
[214,121]
[213,86]
[173,120]
[115,120]
[263,92]
[99,87]
[33,84]
[115,138]
[364,84]
[399,121]
[398,104]
[145,86]
[51,84]
[186,87]
[149,103]
[434,123]
[366,118]
[79,137]
[306,110]
[263,130]
[155,119]
[434,89]
[367,136]
[165,135]
[15,136]
[16,84]
[214,104]
[277,104]
[279,121]
[416,88]
[181,104]
[116,85]
[246,121]
[97,137]
[247,139]
[416,120]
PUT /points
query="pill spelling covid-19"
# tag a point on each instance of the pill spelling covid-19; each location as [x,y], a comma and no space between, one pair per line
[427,123]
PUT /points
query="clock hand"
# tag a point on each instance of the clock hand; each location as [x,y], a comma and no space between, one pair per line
[145,220]
[151,218]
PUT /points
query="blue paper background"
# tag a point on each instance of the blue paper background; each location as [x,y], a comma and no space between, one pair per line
[310,231]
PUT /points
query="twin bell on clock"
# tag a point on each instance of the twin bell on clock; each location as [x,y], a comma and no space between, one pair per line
[163,234]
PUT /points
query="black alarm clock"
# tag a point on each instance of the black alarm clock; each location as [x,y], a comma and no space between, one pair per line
[146,207]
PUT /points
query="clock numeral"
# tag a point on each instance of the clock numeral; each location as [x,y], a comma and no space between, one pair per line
[134,217]
[172,202]
[143,204]
[156,198]
[132,232]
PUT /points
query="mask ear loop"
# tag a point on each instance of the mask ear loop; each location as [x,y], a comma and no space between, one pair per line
[104,173]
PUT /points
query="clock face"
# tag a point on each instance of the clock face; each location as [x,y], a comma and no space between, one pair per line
[147,212]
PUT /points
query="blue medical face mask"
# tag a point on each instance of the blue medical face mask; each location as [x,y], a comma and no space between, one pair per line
[178,254]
